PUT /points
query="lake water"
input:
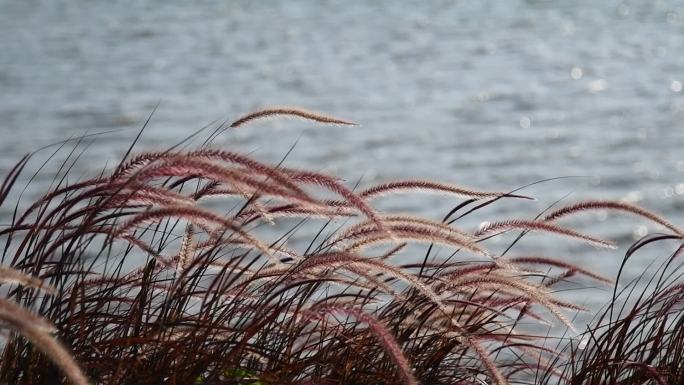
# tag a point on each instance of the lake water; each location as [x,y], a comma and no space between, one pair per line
[486,94]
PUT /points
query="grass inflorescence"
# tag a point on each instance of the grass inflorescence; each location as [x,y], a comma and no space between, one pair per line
[131,277]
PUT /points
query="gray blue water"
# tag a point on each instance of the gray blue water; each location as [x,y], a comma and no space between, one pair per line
[487,94]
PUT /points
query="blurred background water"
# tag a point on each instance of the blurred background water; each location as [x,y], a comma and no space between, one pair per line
[487,94]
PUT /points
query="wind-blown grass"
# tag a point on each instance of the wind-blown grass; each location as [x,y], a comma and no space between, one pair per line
[147,285]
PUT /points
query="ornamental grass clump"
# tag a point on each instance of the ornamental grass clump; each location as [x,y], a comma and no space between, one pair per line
[638,337]
[148,284]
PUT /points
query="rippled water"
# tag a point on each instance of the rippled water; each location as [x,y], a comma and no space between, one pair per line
[481,93]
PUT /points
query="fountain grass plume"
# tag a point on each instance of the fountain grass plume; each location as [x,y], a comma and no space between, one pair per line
[290,112]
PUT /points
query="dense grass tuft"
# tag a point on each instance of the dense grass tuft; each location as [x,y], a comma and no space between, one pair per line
[178,267]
